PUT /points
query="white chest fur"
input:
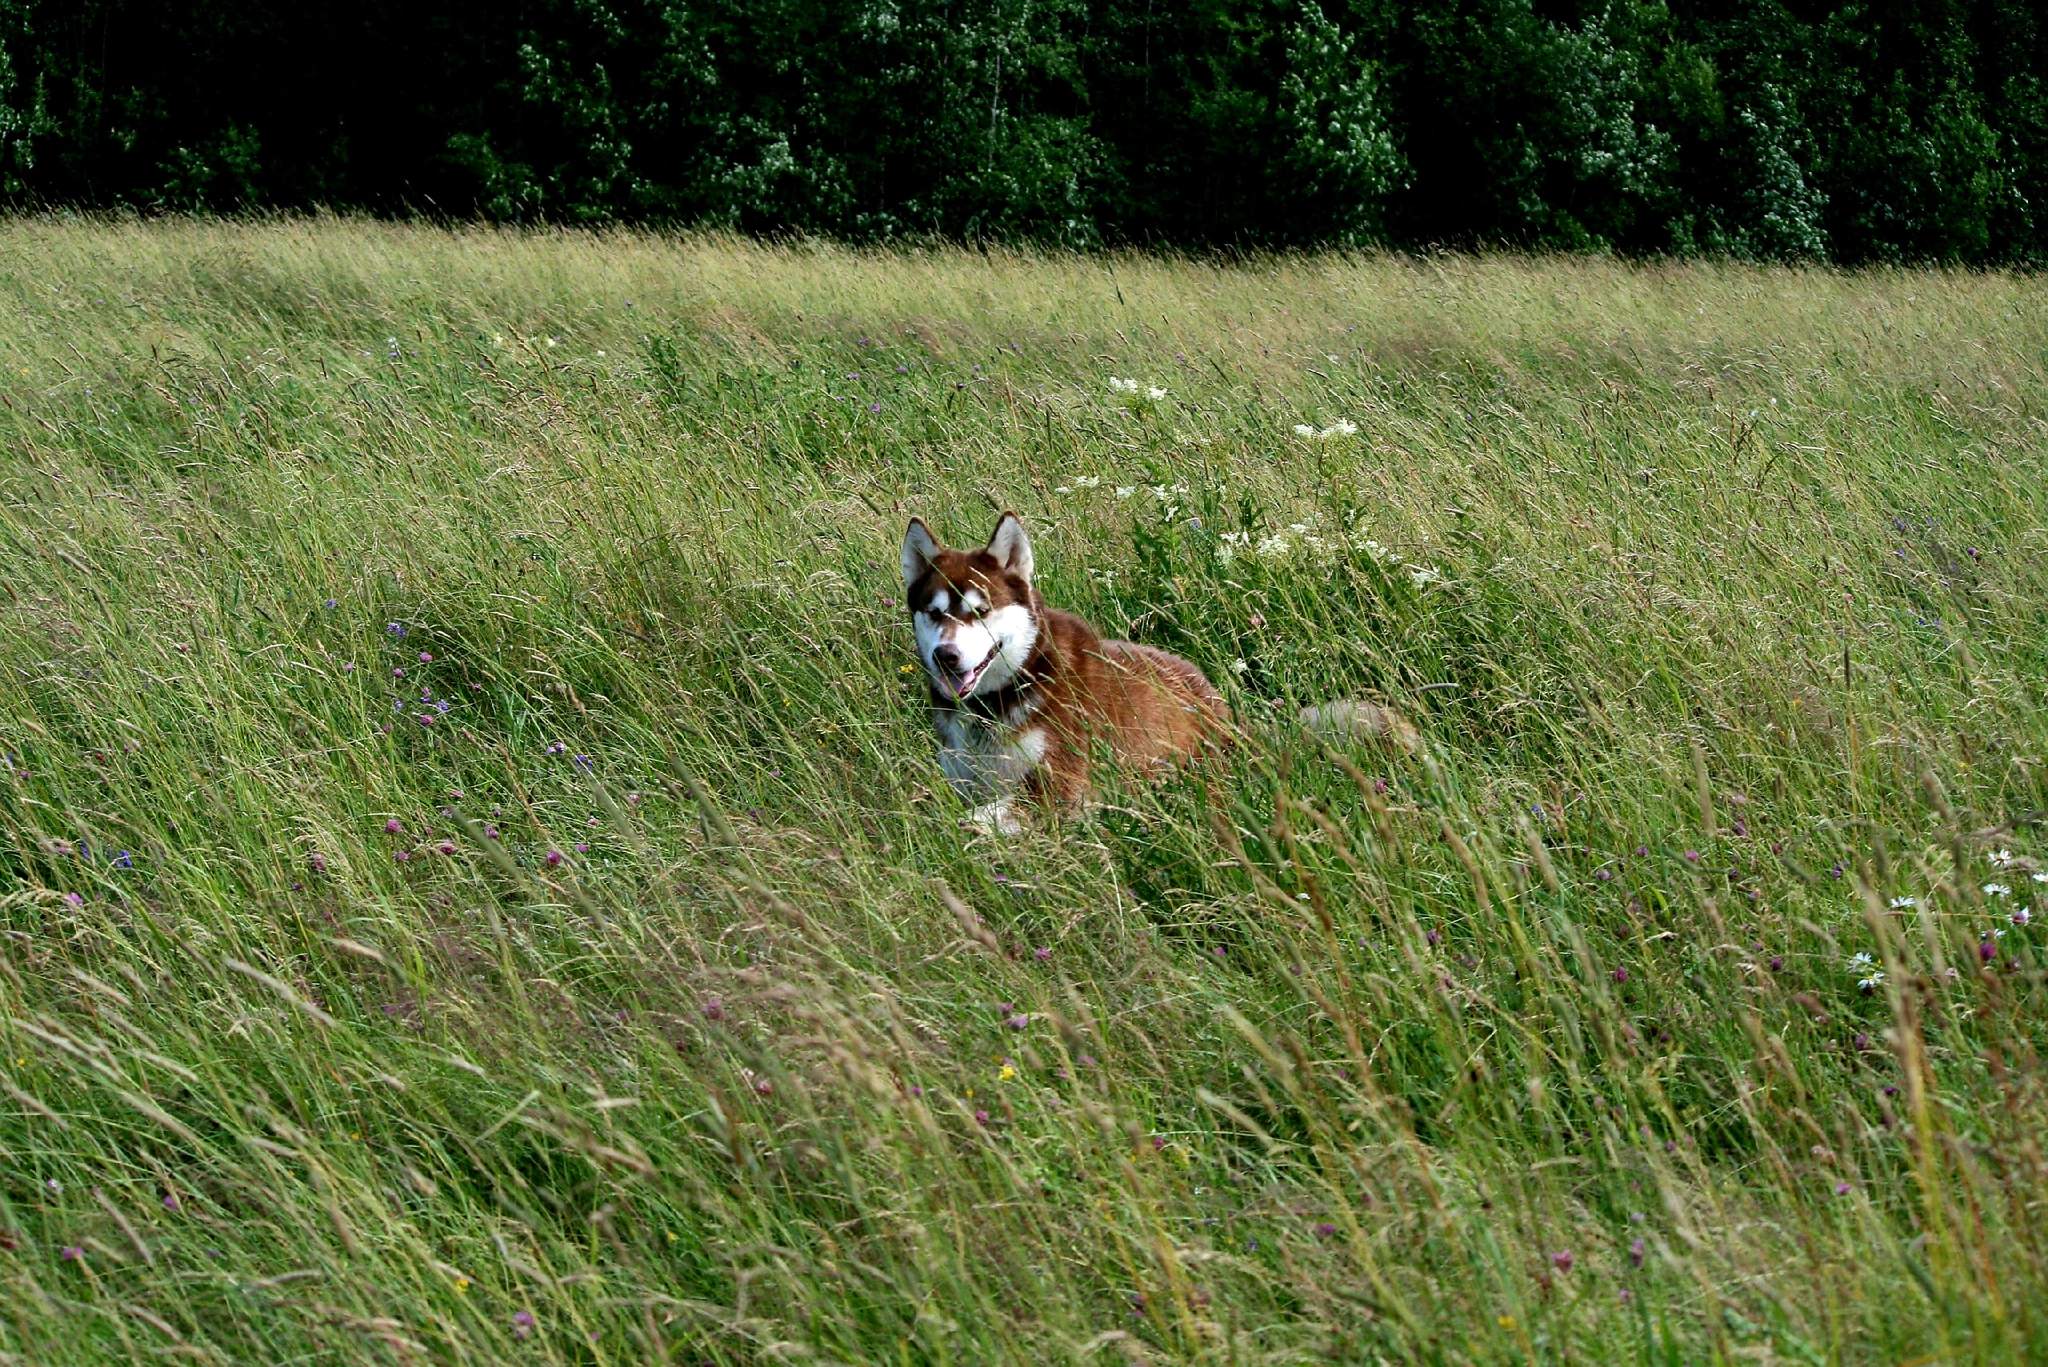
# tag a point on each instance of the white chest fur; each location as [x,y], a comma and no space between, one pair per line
[987,759]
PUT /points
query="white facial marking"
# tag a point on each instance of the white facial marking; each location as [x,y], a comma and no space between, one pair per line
[942,602]
[973,601]
[1014,632]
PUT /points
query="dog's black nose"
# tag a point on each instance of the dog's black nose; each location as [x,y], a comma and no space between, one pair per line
[947,657]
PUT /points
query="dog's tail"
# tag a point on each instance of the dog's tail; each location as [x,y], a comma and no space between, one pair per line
[1355,719]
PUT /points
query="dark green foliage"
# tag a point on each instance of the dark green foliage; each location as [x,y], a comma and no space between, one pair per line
[1764,129]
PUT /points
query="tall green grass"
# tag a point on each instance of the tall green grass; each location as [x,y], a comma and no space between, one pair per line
[617,983]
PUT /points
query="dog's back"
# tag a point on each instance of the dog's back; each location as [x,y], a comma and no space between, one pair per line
[1147,707]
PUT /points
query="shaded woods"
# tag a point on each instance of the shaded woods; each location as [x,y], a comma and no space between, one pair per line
[1852,133]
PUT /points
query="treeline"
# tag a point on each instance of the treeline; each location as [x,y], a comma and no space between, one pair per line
[1887,130]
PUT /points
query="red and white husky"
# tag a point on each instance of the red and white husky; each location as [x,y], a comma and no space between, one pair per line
[1024,694]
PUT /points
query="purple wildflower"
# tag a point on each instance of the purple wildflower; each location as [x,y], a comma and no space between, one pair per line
[554,859]
[1635,1253]
[1620,974]
[1326,1230]
[71,1253]
[714,1009]
[317,862]
[522,1324]
[75,899]
[392,826]
[1018,1021]
[1562,1260]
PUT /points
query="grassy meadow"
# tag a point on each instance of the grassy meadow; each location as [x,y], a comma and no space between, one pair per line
[477,886]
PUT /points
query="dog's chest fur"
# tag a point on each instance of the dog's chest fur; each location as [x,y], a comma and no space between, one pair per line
[988,758]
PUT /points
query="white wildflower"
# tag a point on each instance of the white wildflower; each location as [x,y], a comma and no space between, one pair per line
[1302,429]
[1374,548]
[1997,890]
[1298,528]
[1236,538]
[1239,666]
[1422,576]
[1343,427]
[1117,386]
[1086,481]
[1155,393]
[1861,959]
[2022,916]
[1873,982]
[1904,903]
[1125,490]
[2001,859]
[1272,547]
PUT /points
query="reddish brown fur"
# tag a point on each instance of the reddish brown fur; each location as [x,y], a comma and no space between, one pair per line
[1145,708]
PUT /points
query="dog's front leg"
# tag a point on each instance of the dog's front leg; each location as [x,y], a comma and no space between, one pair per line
[997,818]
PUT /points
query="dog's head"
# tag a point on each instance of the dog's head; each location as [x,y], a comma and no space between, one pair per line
[974,612]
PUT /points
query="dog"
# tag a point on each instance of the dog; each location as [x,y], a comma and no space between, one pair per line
[1022,693]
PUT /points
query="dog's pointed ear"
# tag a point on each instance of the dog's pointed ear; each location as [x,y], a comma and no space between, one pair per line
[1010,547]
[918,549]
